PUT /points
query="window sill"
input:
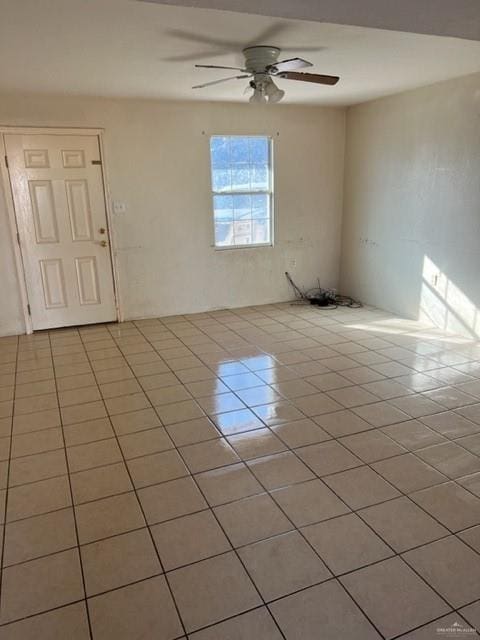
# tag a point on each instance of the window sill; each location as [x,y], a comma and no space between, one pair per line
[268,245]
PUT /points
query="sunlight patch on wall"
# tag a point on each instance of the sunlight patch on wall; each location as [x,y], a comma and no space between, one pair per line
[445,304]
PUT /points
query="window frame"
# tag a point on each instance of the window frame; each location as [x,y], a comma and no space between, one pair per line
[270,192]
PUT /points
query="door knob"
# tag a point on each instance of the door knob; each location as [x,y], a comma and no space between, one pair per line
[102,230]
[103,243]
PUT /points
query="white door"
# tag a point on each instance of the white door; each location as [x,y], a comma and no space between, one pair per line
[57,188]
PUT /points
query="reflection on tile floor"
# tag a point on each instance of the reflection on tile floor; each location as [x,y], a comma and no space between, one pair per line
[255,474]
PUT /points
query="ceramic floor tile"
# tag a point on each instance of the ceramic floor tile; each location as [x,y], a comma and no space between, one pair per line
[168,395]
[36,442]
[471,443]
[417,405]
[326,607]
[212,454]
[252,519]
[342,423]
[83,412]
[93,454]
[472,483]
[371,446]
[254,444]
[328,457]
[352,396]
[41,584]
[451,567]
[144,442]
[451,425]
[141,610]
[212,405]
[237,422]
[282,565]
[124,404]
[192,431]
[381,414]
[37,421]
[212,590]
[38,536]
[386,389]
[228,484]
[413,435]
[177,546]
[300,433]
[346,543]
[118,561]
[171,499]
[100,482]
[402,524]
[277,413]
[90,431]
[40,497]
[254,624]
[472,614]
[135,421]
[36,467]
[309,502]
[450,504]
[51,625]
[408,473]
[318,404]
[471,412]
[452,460]
[108,517]
[394,597]
[450,397]
[451,624]
[280,470]
[361,487]
[156,468]
[328,381]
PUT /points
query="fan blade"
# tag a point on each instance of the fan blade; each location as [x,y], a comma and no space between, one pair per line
[292,64]
[226,45]
[216,66]
[190,57]
[295,49]
[208,84]
[308,77]
[268,34]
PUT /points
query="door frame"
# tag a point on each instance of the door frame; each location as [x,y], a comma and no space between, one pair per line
[12,216]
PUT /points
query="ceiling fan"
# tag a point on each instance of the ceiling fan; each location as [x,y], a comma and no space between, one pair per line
[262,65]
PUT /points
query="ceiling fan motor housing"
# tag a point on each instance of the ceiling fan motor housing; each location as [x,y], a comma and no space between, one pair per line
[257,59]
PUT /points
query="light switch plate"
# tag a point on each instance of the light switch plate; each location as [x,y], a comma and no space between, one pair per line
[119,207]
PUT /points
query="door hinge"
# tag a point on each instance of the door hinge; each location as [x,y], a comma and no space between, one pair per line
[96,162]
[18,238]
[29,310]
[6,162]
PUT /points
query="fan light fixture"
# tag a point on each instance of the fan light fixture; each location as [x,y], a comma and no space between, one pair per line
[265,90]
[258,95]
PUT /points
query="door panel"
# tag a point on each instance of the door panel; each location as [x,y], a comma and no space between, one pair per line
[60,208]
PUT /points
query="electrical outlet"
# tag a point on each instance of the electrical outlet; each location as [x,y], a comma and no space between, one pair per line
[293,263]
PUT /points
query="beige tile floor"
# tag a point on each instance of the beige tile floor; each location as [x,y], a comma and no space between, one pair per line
[255,474]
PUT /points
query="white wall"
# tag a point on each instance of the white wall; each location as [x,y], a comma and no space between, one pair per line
[158,164]
[411,227]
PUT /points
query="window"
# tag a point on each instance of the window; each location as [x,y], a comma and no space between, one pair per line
[242,190]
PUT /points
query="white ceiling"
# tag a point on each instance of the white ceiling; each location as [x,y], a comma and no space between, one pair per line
[137,49]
